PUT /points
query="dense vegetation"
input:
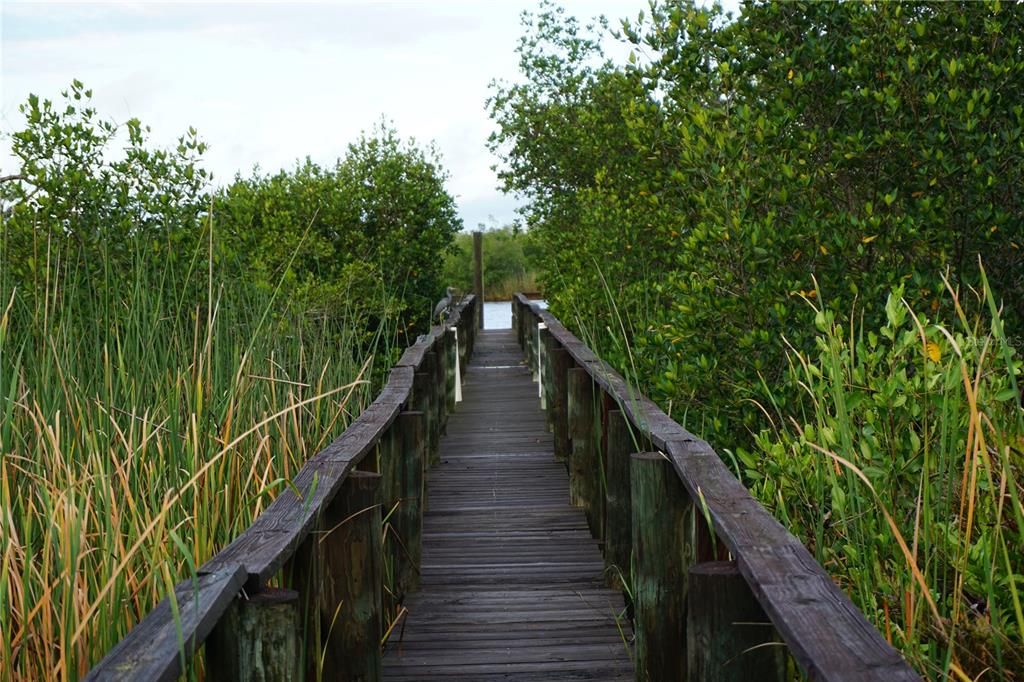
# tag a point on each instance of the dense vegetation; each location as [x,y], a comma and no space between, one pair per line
[775,225]
[508,263]
[171,354]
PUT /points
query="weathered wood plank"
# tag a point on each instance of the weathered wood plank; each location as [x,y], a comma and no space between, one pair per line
[508,564]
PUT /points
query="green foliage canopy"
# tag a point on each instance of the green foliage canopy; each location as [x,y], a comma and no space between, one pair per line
[706,185]
[374,226]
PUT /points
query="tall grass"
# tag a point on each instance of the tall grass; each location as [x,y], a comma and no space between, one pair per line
[905,474]
[146,417]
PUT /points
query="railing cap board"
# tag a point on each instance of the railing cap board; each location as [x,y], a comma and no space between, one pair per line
[152,650]
[827,635]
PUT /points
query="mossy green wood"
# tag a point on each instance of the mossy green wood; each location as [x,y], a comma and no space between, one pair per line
[581,425]
[663,551]
[257,639]
[410,509]
[618,537]
[728,636]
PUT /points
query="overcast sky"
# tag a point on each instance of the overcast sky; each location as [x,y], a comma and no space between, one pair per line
[268,83]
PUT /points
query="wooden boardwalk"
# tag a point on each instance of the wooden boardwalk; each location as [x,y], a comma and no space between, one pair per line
[512,582]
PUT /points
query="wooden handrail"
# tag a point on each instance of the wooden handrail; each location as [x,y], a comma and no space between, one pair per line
[160,646]
[824,632]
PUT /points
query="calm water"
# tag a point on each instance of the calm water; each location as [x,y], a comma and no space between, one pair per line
[498,314]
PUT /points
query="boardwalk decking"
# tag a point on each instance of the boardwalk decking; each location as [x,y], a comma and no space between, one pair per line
[512,584]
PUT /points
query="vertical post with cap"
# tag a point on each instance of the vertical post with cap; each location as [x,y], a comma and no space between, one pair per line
[663,550]
[728,635]
[257,639]
[478,273]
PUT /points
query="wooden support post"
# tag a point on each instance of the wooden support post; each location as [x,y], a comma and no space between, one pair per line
[618,537]
[257,639]
[410,510]
[728,636]
[430,365]
[463,346]
[478,270]
[389,456]
[581,425]
[529,329]
[442,382]
[663,549]
[422,386]
[351,609]
[515,320]
[600,406]
[547,342]
[449,367]
[559,405]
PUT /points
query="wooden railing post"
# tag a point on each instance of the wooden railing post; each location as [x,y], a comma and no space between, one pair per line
[410,509]
[449,381]
[257,639]
[430,365]
[478,269]
[441,348]
[728,636]
[515,320]
[351,604]
[423,402]
[559,405]
[601,404]
[547,342]
[581,425]
[618,536]
[663,550]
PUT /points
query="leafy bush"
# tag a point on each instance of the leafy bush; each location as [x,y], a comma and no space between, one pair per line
[703,186]
[71,204]
[905,476]
[381,214]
